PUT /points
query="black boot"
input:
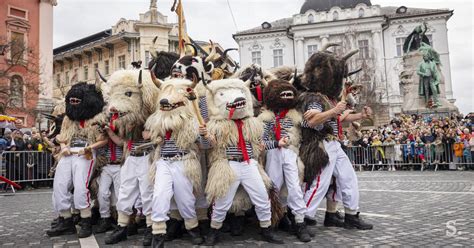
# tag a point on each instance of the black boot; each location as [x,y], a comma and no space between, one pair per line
[196,237]
[55,222]
[285,224]
[132,228]
[147,236]
[141,223]
[86,228]
[212,237]
[63,227]
[269,236]
[302,232]
[204,226]
[237,225]
[119,234]
[76,218]
[158,241]
[105,225]
[173,229]
[310,222]
[333,219]
[354,221]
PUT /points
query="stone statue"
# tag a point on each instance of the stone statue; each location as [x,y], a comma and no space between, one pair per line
[152,4]
[414,40]
[429,76]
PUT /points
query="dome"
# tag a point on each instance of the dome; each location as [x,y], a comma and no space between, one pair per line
[325,5]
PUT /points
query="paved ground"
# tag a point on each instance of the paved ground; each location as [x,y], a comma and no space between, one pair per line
[407,209]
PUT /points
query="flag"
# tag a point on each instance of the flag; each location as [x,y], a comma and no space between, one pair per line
[182,33]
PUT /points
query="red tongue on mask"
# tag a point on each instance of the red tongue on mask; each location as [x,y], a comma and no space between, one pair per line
[114,117]
[259,93]
[231,113]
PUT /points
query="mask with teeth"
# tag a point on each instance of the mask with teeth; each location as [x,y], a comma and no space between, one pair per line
[229,99]
[280,94]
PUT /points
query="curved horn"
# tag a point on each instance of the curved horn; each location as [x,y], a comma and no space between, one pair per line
[212,53]
[348,74]
[195,81]
[155,80]
[101,76]
[350,54]
[224,55]
[153,49]
[140,79]
[328,45]
[49,116]
[195,52]
[173,8]
[292,80]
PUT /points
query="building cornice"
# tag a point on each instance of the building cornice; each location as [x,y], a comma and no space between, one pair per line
[421,17]
[267,34]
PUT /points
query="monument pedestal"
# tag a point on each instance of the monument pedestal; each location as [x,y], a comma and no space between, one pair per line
[413,103]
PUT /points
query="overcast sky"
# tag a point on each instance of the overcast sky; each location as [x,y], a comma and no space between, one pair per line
[212,19]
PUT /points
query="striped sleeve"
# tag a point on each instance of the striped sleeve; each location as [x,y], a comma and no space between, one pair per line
[203,108]
[269,142]
[317,106]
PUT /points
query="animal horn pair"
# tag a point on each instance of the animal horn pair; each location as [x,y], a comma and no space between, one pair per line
[195,50]
[328,45]
[295,74]
[349,54]
[153,50]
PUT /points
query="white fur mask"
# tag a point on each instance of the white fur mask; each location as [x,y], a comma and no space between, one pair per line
[229,99]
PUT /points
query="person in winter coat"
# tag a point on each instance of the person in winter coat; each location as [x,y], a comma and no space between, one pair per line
[389,144]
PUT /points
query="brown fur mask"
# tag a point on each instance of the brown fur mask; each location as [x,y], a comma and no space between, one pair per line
[279,94]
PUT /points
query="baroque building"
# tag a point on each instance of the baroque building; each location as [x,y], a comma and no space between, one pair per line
[377,31]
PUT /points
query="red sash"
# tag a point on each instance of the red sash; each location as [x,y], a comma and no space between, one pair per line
[241,144]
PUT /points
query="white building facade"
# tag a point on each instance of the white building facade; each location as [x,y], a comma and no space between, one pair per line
[378,32]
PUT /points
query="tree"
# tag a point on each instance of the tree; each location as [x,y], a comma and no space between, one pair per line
[19,75]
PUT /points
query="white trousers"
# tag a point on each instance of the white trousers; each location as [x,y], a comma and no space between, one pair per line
[134,182]
[170,180]
[281,167]
[248,175]
[340,166]
[110,175]
[72,171]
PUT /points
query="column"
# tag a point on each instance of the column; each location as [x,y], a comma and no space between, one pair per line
[299,53]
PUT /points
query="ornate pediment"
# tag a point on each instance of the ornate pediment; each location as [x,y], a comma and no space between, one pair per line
[277,44]
[256,46]
[21,24]
[401,31]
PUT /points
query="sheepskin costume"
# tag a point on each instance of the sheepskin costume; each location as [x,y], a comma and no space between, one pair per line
[130,100]
[221,175]
[322,81]
[259,79]
[182,123]
[274,102]
[283,72]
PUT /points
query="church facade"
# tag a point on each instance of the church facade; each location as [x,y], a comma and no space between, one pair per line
[378,32]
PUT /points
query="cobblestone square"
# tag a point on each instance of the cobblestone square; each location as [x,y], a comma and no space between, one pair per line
[410,209]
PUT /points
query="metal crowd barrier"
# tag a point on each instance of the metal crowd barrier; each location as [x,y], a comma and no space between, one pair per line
[412,157]
[26,166]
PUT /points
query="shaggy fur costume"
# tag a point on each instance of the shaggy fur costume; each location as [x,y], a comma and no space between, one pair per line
[323,80]
[162,63]
[133,101]
[221,175]
[183,124]
[283,72]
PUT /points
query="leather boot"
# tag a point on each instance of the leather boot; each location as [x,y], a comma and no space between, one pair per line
[119,234]
[173,229]
[62,227]
[105,225]
[158,241]
[269,235]
[237,225]
[302,232]
[55,222]
[285,223]
[196,237]
[310,222]
[212,237]
[147,236]
[76,218]
[332,219]
[354,221]
[132,228]
[86,228]
[204,226]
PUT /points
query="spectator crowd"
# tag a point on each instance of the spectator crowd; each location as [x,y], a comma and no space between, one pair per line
[414,139]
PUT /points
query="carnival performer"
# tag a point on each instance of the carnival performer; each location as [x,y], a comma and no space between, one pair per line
[78,138]
[235,136]
[131,99]
[282,136]
[320,150]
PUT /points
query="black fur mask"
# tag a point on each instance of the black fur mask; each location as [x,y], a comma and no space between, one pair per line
[162,64]
[280,94]
[83,102]
[324,73]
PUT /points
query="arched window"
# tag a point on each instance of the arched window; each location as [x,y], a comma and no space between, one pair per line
[335,16]
[361,12]
[310,18]
[16,91]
